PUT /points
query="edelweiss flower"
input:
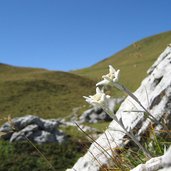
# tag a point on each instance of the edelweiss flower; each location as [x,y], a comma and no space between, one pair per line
[112,77]
[99,98]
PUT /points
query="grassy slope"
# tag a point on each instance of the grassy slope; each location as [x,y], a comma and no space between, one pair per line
[48,94]
[133,61]
[54,94]
[23,156]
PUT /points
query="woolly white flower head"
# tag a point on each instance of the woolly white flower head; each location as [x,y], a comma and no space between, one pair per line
[99,99]
[110,78]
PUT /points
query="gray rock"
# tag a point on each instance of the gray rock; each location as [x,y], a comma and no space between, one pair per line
[85,117]
[22,122]
[44,137]
[165,169]
[104,117]
[96,114]
[88,129]
[28,132]
[161,163]
[49,125]
[166,158]
[60,137]
[34,128]
[6,127]
[155,95]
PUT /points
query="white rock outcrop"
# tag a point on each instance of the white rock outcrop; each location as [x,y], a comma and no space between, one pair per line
[162,162]
[155,95]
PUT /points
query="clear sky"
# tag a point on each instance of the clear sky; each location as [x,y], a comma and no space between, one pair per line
[73,34]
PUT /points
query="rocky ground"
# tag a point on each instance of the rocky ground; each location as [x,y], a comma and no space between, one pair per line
[44,131]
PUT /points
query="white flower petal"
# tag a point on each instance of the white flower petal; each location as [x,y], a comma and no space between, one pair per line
[107,79]
[103,82]
[111,69]
[110,78]
[98,90]
[117,74]
[85,97]
[100,98]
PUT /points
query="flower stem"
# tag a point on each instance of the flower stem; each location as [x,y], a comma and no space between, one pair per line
[148,114]
[146,152]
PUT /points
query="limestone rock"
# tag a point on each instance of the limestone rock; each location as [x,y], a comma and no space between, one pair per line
[34,128]
[155,95]
[162,162]
[44,137]
[96,114]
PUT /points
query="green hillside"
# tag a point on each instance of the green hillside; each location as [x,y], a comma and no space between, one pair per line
[133,61]
[52,94]
[49,94]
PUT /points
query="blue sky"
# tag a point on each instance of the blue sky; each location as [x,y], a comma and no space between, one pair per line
[72,34]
